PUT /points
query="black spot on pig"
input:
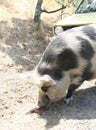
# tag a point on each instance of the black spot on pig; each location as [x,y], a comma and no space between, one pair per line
[55,73]
[67,60]
[86,50]
[53,49]
[90,32]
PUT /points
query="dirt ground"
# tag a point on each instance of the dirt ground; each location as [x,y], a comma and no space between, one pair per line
[19,52]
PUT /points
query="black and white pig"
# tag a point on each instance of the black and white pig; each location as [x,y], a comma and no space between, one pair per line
[68,60]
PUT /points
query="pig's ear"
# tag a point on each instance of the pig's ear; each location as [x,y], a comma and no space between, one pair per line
[46,80]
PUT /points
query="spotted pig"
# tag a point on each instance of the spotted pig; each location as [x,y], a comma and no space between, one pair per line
[68,60]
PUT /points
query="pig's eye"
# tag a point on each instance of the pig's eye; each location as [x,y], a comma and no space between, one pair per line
[45,88]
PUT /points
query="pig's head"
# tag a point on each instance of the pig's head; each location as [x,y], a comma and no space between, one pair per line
[52,90]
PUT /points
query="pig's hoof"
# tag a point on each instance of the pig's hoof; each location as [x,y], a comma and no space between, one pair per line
[68,101]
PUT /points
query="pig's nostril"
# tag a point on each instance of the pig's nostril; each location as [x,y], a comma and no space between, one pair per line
[47,98]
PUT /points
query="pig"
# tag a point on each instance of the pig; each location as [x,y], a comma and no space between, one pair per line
[68,60]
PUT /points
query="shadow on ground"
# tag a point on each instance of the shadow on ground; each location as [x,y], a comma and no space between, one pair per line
[17,40]
[83,107]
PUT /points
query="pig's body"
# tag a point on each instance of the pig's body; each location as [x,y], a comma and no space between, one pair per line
[67,61]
